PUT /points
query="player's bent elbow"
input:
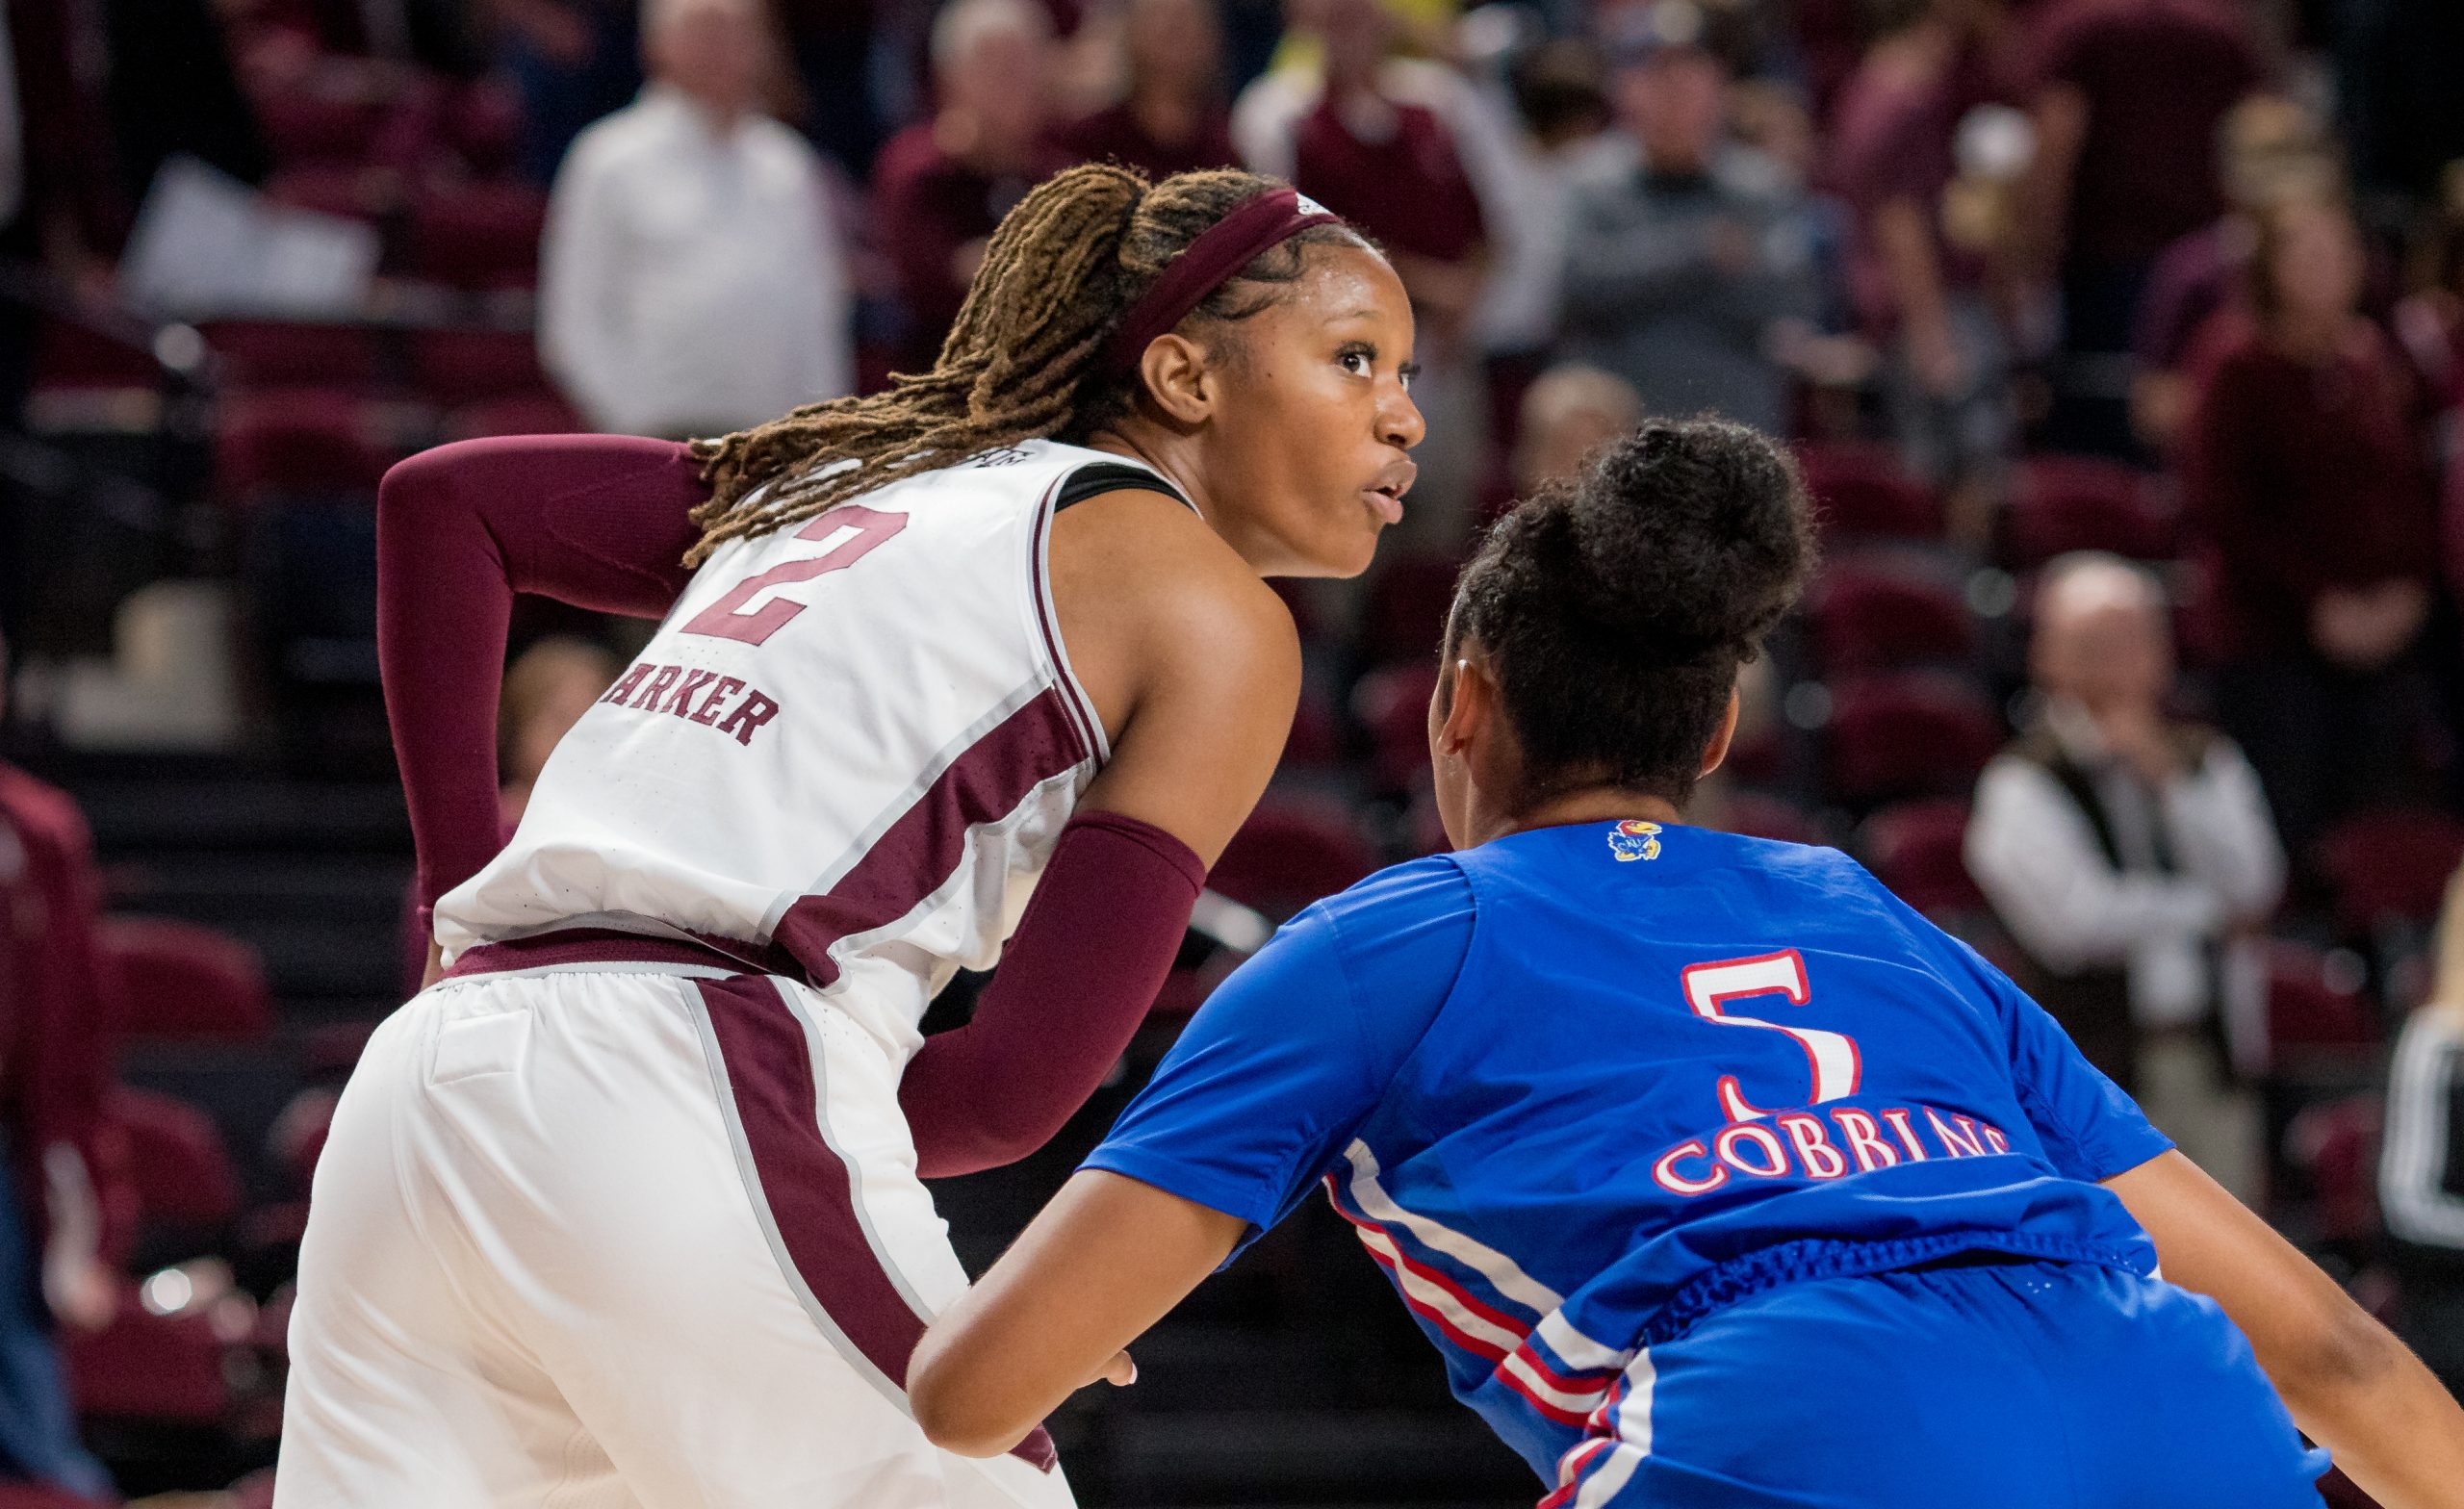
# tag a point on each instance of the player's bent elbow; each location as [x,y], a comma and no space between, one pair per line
[2338,1353]
[954,1416]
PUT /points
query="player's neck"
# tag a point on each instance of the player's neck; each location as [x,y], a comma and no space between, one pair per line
[1592,805]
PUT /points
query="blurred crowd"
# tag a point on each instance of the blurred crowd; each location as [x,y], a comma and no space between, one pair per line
[2121,342]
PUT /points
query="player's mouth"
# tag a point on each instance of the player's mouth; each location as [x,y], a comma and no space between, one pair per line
[1385,496]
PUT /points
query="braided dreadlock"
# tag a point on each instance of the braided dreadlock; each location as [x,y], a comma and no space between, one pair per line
[1060,271]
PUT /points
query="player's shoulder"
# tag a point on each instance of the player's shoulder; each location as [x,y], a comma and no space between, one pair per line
[1148,556]
[1433,888]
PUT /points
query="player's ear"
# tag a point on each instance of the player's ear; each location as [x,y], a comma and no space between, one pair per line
[1717,750]
[1178,379]
[1472,706]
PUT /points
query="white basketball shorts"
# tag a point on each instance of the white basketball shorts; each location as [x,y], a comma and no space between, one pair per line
[623,1237]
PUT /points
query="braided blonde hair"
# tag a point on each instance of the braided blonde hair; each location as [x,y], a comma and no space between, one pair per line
[1021,361]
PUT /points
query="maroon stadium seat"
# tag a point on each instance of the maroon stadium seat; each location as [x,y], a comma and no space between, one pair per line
[2391,865]
[34,1496]
[515,414]
[1918,850]
[1908,735]
[2063,504]
[1409,596]
[478,235]
[1755,816]
[185,980]
[1292,853]
[2336,1144]
[459,367]
[148,1367]
[1871,615]
[2313,1014]
[306,126]
[272,353]
[1862,490]
[1392,703]
[175,1161]
[296,441]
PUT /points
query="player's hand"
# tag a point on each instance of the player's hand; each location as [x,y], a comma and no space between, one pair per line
[1121,1372]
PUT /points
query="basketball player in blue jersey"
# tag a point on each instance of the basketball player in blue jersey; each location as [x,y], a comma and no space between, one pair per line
[1718,1175]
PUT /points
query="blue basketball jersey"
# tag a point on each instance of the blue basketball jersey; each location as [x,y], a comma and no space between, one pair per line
[1580,1087]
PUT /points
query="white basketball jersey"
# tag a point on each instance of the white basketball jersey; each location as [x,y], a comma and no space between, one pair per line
[845,755]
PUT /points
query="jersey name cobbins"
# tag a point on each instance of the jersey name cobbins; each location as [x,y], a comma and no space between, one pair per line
[696,696]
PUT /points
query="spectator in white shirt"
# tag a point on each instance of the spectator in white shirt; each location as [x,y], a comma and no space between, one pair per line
[2130,855]
[694,279]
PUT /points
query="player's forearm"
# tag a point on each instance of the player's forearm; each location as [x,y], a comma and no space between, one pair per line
[2392,1428]
[1079,976]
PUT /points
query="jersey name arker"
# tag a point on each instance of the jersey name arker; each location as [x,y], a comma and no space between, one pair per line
[696,696]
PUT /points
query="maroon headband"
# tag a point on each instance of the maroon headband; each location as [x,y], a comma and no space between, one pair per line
[1223,249]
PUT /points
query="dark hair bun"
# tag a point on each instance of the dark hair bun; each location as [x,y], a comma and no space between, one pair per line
[1618,606]
[1695,535]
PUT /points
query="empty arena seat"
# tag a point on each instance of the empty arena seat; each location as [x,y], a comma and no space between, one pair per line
[148,1367]
[1292,852]
[275,354]
[1908,735]
[478,235]
[1408,599]
[185,980]
[296,443]
[1392,703]
[345,190]
[2335,1144]
[1753,815]
[308,125]
[2316,1007]
[2391,865]
[37,1495]
[1316,741]
[1862,490]
[1918,850]
[515,414]
[1871,614]
[175,1159]
[458,367]
[2064,503]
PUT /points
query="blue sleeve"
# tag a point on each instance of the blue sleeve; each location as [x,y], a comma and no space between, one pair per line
[1292,1053]
[2090,1128]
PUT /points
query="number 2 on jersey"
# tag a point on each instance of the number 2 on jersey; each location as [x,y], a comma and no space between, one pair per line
[1837,1067]
[859,531]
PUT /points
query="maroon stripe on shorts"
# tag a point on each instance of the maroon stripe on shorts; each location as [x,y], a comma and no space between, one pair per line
[612,946]
[810,1193]
[921,848]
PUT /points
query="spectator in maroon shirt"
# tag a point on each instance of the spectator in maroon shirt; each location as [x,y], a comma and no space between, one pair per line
[2304,472]
[2128,95]
[1935,239]
[2274,149]
[59,1007]
[941,185]
[1390,167]
[1173,119]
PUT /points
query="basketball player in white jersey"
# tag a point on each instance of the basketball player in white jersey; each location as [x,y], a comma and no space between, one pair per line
[624,1210]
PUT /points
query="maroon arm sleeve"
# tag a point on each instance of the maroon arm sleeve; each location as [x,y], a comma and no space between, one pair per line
[1075,981]
[597,520]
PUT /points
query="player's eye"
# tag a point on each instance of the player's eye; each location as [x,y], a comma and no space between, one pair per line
[1409,372]
[1357,359]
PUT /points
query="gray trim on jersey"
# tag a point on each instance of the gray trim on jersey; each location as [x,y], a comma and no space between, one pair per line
[898,805]
[1048,627]
[761,1200]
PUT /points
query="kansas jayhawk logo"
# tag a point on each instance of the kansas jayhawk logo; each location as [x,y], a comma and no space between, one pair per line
[1634,839]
